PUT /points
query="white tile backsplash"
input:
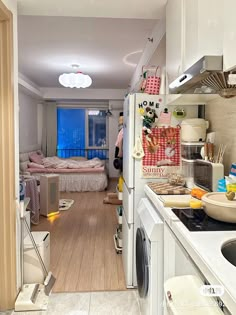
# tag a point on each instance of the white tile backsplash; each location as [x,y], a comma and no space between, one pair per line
[221,114]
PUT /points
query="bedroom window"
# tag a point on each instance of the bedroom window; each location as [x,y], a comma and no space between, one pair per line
[82,132]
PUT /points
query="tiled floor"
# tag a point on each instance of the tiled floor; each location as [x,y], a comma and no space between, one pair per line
[94,303]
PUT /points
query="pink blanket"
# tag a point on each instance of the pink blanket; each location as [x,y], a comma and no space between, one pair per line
[55,162]
[66,170]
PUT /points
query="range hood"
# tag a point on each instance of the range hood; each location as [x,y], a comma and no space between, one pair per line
[206,76]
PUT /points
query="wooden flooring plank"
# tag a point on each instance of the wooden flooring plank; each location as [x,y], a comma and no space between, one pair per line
[68,249]
[85,274]
[98,269]
[111,278]
[83,257]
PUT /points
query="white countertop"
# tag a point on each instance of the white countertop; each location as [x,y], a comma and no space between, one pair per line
[205,249]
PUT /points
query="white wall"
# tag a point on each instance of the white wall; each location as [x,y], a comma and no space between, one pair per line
[82,94]
[40,123]
[159,56]
[113,132]
[221,113]
[28,121]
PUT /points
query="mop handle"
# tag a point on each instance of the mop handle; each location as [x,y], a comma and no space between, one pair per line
[36,248]
[22,243]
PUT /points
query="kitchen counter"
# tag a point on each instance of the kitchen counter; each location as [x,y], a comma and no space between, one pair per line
[205,250]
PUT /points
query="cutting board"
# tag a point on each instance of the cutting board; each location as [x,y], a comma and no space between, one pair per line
[168,189]
[179,201]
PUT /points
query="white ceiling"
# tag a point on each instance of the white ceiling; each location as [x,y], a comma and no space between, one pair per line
[107,49]
[140,9]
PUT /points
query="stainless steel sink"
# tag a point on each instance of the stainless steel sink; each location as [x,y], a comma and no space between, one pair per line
[229,251]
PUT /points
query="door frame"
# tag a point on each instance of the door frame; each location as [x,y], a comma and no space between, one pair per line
[7,164]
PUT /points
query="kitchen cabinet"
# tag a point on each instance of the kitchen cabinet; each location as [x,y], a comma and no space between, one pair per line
[174,42]
[229,38]
[193,29]
[196,253]
[177,261]
[190,34]
[203,31]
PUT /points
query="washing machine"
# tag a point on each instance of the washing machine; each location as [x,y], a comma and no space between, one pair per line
[149,259]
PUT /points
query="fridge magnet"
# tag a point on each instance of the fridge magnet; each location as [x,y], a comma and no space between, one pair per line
[162,152]
[138,152]
[179,113]
[149,117]
[165,118]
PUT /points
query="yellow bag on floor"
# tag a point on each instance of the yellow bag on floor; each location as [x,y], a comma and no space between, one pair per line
[120,183]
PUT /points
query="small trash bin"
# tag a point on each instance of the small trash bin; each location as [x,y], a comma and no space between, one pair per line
[33,272]
[183,297]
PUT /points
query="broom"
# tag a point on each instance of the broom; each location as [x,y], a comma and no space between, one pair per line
[32,297]
[49,278]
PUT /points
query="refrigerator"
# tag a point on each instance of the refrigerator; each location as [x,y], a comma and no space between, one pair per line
[133,186]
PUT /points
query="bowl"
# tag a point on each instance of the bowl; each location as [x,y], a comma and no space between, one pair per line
[218,207]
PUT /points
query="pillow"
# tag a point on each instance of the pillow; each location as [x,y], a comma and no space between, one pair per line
[35,165]
[40,153]
[24,157]
[24,166]
[36,158]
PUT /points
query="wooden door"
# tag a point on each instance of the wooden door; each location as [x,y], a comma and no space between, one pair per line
[7,164]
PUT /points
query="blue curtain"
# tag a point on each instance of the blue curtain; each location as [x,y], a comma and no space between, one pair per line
[70,132]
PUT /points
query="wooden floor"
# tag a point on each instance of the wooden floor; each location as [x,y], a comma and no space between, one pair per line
[83,257]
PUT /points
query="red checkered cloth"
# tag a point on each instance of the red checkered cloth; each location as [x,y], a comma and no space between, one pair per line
[164,145]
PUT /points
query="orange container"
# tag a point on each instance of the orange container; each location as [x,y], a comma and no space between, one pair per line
[198,193]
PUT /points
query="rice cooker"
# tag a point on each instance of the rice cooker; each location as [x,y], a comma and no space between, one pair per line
[194,129]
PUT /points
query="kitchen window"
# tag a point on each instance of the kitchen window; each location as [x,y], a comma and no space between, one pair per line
[82,132]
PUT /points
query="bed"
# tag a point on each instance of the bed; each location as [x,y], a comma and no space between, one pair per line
[75,174]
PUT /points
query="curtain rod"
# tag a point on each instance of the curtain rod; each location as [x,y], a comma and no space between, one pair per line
[86,106]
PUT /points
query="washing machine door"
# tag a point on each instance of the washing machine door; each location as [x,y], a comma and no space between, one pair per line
[142,267]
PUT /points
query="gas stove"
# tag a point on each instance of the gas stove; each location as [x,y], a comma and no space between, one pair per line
[197,220]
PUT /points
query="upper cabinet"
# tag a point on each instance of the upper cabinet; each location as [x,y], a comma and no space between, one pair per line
[174,40]
[203,31]
[193,29]
[229,39]
[190,33]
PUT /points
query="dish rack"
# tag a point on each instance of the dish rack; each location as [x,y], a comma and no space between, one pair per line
[118,235]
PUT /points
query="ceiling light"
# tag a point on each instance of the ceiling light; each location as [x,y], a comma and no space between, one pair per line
[75,80]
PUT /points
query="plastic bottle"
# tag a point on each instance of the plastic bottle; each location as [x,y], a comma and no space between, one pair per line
[22,189]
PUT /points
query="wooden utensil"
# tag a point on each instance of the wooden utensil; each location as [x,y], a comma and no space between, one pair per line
[206,151]
[210,152]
